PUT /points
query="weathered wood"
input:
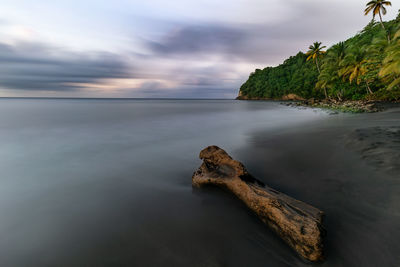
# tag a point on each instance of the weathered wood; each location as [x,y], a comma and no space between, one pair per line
[296,222]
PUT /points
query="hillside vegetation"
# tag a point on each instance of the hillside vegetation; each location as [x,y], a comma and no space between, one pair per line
[366,66]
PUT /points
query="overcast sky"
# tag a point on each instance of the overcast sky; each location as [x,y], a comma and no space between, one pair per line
[159,48]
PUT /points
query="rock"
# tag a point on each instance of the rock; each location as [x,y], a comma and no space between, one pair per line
[353,106]
[297,223]
[292,97]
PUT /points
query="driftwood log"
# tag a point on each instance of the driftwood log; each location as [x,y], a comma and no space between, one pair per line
[297,223]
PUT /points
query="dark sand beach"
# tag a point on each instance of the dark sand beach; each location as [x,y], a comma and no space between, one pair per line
[348,166]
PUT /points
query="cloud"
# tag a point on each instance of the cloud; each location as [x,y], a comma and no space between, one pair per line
[30,66]
[40,69]
[267,43]
[228,44]
[258,43]
[195,39]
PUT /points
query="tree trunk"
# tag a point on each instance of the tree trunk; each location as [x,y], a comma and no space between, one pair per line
[368,88]
[383,26]
[339,95]
[296,222]
[316,62]
[319,71]
[380,18]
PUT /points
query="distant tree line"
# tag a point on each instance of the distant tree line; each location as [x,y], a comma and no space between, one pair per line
[366,66]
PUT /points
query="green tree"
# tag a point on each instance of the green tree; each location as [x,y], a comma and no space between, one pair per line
[366,65]
[325,80]
[336,54]
[390,71]
[354,66]
[315,52]
[378,8]
[330,66]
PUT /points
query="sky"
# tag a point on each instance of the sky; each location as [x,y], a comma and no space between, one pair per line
[159,48]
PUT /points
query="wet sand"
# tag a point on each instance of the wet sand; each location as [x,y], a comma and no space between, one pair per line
[349,167]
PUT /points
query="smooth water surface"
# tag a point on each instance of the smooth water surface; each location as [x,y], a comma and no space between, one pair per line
[108,183]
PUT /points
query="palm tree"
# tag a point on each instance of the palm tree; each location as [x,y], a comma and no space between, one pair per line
[315,52]
[325,80]
[330,67]
[336,53]
[390,71]
[378,45]
[354,67]
[378,8]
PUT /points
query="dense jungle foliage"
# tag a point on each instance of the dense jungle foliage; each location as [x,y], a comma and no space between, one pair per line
[366,66]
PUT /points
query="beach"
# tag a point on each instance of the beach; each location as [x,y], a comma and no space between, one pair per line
[348,166]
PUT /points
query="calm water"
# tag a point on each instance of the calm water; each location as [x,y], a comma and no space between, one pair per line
[108,183]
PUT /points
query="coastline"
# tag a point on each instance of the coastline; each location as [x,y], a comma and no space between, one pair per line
[348,106]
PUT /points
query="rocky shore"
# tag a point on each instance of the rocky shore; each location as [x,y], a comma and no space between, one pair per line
[289,97]
[353,106]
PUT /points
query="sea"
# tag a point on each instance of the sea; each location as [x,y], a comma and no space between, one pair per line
[107,182]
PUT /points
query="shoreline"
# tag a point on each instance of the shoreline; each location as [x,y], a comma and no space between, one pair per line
[347,106]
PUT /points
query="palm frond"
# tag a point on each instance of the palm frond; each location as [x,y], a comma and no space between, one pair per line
[384,11]
[394,83]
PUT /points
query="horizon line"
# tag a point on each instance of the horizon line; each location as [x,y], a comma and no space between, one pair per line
[113,98]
